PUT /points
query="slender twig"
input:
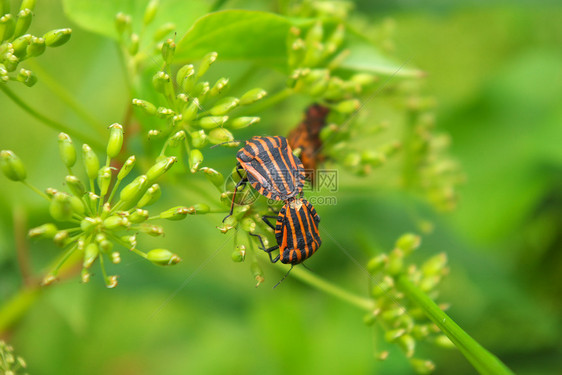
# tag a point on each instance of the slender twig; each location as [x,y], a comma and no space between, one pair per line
[482,360]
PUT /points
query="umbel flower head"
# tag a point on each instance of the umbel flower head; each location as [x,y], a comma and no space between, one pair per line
[16,45]
[9,362]
[96,218]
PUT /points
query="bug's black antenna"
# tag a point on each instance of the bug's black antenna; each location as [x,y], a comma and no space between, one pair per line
[284,277]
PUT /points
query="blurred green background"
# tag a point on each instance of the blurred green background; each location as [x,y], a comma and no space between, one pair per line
[495,69]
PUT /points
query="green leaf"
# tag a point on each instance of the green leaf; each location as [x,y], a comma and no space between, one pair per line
[366,58]
[237,35]
[99,16]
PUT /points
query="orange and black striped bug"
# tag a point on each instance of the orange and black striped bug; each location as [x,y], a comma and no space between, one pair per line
[296,233]
[271,168]
[306,137]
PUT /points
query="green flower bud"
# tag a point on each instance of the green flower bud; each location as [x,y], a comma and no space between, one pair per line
[164,30]
[372,158]
[150,11]
[123,23]
[239,255]
[147,107]
[48,280]
[163,257]
[363,79]
[393,334]
[132,192]
[215,177]
[175,213]
[422,366]
[77,205]
[88,224]
[199,208]
[444,342]
[4,77]
[115,257]
[104,180]
[252,96]
[352,159]
[160,81]
[390,315]
[67,150]
[314,36]
[198,138]
[76,186]
[91,161]
[225,228]
[408,242]
[151,196]
[195,159]
[211,122]
[348,106]
[434,265]
[106,246]
[395,262]
[242,122]
[248,225]
[134,44]
[370,318]
[224,106]
[428,283]
[408,345]
[377,263]
[60,208]
[12,166]
[152,230]
[219,86]
[177,139]
[160,168]
[168,49]
[93,198]
[115,222]
[115,140]
[257,272]
[185,77]
[191,110]
[47,231]
[131,241]
[11,62]
[55,38]
[27,4]
[7,26]
[36,47]
[20,45]
[111,282]
[220,135]
[201,89]
[381,288]
[60,239]
[206,62]
[138,216]
[23,21]
[164,113]
[90,254]
[27,77]
[126,168]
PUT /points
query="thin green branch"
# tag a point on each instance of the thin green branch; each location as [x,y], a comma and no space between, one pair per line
[327,287]
[482,360]
[51,123]
[70,100]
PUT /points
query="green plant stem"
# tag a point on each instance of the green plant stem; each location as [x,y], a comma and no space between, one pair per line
[68,99]
[36,190]
[327,287]
[15,308]
[49,122]
[482,360]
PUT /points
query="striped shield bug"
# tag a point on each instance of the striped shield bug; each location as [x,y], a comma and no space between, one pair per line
[296,232]
[271,168]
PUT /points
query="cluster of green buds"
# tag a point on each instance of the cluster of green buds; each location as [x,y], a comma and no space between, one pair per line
[402,323]
[197,113]
[429,168]
[341,146]
[135,50]
[313,59]
[16,45]
[10,364]
[338,10]
[99,219]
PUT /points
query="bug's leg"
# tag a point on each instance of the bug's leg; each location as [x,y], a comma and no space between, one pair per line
[265,217]
[268,251]
[284,277]
[240,183]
